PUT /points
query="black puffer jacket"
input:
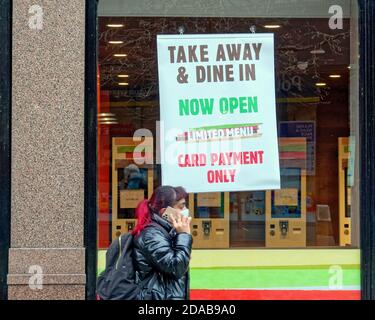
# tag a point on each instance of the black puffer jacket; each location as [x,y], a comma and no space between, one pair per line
[164,260]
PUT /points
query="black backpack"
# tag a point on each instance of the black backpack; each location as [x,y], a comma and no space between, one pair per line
[118,280]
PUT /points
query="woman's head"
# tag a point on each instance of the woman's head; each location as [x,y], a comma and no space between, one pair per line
[163,197]
[181,196]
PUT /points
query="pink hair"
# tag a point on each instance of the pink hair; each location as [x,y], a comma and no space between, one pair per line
[162,197]
[143,216]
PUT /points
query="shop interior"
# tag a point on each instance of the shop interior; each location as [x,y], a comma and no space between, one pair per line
[313,207]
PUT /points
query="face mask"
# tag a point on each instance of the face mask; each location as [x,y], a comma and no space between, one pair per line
[185,212]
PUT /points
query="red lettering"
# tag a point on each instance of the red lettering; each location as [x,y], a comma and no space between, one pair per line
[194,160]
[180,162]
[245,158]
[253,157]
[218,176]
[210,176]
[221,160]
[237,157]
[232,173]
[260,156]
[202,159]
[214,158]
[221,176]
[187,161]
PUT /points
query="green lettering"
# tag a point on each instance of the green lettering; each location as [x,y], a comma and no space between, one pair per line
[206,105]
[233,104]
[242,104]
[223,105]
[194,107]
[253,104]
[184,107]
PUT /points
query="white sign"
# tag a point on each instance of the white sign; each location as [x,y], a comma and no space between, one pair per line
[217,112]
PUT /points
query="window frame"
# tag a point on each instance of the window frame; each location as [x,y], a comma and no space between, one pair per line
[367,142]
[5,139]
[90,153]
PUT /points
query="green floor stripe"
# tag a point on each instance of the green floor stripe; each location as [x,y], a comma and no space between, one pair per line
[346,266]
[101,261]
[264,277]
[269,278]
[258,278]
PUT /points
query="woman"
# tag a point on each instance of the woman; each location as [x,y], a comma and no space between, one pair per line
[162,248]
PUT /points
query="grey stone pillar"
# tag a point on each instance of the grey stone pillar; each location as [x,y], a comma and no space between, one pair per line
[47,224]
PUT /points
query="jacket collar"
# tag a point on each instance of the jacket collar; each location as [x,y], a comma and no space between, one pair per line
[159,220]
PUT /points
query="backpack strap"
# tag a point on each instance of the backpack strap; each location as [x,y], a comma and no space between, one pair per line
[119,251]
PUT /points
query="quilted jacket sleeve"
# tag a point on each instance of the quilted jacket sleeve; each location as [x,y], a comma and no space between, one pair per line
[163,255]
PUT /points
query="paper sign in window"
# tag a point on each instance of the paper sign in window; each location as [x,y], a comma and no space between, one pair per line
[209,199]
[286,197]
[131,198]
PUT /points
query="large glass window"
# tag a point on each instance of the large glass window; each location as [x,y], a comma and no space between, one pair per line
[316,60]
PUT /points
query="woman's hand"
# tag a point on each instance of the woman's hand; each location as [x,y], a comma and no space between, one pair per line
[181,223]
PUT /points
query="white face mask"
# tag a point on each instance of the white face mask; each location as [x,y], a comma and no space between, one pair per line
[185,212]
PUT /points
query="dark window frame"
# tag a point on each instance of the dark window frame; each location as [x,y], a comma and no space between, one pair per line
[367,142]
[90,184]
[5,139]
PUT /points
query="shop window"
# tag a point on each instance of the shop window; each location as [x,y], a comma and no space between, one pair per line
[317,118]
